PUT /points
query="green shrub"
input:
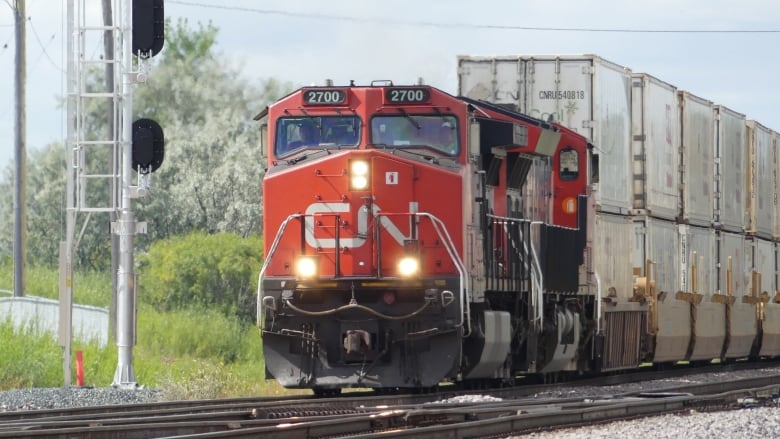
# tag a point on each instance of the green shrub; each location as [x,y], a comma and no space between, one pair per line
[206,271]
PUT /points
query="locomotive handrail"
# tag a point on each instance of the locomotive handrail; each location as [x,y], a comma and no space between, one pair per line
[441,230]
[537,278]
[351,305]
[444,235]
[267,261]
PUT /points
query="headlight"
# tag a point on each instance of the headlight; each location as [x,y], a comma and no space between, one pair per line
[358,175]
[359,182]
[306,267]
[408,266]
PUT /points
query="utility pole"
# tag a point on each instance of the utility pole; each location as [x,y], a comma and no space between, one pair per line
[66,247]
[20,154]
[108,55]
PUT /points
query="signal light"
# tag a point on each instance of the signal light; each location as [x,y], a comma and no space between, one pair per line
[148,146]
[148,27]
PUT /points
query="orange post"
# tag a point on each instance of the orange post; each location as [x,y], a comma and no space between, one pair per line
[79,369]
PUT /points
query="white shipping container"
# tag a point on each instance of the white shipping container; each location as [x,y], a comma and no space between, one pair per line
[776,197]
[760,180]
[494,79]
[611,247]
[656,240]
[732,249]
[698,248]
[697,119]
[656,141]
[731,170]
[584,92]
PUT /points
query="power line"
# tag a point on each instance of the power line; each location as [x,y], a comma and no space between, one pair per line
[418,23]
[43,48]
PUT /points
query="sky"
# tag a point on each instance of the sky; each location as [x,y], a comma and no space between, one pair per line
[696,45]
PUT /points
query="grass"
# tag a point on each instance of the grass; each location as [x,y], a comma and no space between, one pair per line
[89,288]
[183,368]
[188,353]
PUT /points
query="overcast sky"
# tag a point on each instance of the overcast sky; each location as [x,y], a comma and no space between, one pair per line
[307,41]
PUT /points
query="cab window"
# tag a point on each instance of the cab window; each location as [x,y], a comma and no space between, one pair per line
[298,133]
[437,132]
[568,164]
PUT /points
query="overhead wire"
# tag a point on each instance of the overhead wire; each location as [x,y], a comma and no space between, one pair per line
[43,48]
[460,25]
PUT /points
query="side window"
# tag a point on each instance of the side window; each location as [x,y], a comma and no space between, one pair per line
[568,164]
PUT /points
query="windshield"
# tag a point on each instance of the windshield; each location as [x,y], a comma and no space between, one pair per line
[409,131]
[293,134]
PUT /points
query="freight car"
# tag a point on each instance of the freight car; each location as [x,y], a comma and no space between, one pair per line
[688,200]
[414,237]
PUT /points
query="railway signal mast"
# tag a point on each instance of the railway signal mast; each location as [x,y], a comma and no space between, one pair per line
[138,31]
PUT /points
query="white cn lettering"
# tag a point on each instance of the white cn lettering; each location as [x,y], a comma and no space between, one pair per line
[362,226]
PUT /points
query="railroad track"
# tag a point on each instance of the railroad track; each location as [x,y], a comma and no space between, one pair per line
[448,413]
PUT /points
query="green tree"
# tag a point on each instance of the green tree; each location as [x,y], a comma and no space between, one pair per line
[210,179]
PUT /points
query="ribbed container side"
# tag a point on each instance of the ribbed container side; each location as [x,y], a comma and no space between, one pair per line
[731,169]
[761,203]
[612,248]
[732,250]
[585,93]
[698,259]
[498,79]
[655,132]
[656,239]
[761,254]
[697,127]
[776,198]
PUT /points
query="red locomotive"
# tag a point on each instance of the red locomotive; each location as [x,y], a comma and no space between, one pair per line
[414,237]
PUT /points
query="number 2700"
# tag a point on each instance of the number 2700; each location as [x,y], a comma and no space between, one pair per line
[324,97]
[408,95]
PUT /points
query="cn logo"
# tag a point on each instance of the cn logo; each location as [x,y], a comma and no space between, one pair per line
[362,226]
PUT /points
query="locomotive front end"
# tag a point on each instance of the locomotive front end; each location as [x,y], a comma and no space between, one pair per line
[363,284]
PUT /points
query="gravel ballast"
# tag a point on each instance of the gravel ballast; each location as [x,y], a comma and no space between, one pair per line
[64,397]
[763,422]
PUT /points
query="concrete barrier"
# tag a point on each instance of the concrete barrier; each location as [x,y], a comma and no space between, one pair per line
[90,323]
